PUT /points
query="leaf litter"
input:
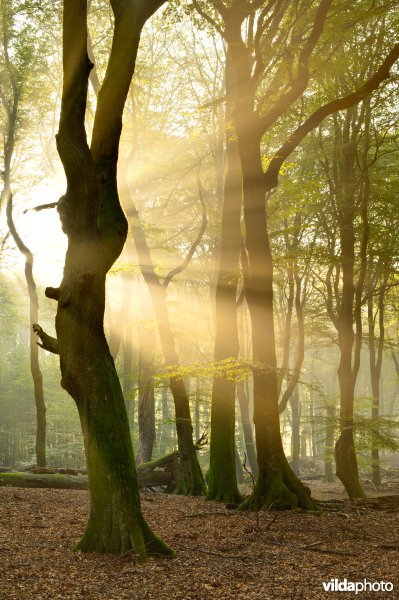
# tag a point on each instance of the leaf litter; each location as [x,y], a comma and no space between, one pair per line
[220,553]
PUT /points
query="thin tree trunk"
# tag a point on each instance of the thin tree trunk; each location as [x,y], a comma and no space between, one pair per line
[40,445]
[376,355]
[146,397]
[166,438]
[243,402]
[12,114]
[127,378]
[192,481]
[295,431]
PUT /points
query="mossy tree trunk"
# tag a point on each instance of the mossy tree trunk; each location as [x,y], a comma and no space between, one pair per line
[277,486]
[222,484]
[96,227]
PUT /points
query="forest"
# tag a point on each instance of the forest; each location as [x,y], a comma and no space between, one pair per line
[199,270]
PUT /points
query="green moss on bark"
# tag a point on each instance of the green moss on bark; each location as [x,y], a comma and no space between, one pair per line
[279,490]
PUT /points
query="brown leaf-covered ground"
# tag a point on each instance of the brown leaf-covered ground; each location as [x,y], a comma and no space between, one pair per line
[219,553]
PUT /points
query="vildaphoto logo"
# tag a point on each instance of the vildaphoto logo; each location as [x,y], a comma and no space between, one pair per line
[344,585]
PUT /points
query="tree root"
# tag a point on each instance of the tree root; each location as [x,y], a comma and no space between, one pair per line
[281,490]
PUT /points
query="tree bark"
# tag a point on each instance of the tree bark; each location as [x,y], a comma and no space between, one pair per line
[146,397]
[296,432]
[375,361]
[222,484]
[96,227]
[37,377]
[345,454]
[243,402]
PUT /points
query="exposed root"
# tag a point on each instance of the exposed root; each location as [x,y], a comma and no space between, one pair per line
[282,490]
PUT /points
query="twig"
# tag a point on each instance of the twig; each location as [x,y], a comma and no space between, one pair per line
[272,521]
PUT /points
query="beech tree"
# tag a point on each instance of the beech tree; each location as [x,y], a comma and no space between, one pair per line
[96,227]
[15,66]
[266,87]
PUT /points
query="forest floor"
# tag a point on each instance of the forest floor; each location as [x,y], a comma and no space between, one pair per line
[219,553]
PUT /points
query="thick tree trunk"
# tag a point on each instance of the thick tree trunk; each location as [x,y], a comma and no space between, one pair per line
[96,227]
[222,484]
[277,485]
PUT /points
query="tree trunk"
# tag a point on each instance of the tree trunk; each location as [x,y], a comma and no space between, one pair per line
[37,377]
[329,441]
[277,485]
[345,453]
[376,355]
[12,115]
[243,401]
[192,480]
[146,398]
[295,431]
[127,379]
[96,227]
[165,441]
[222,484]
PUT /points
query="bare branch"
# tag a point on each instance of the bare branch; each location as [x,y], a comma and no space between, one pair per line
[195,244]
[47,342]
[324,111]
[301,81]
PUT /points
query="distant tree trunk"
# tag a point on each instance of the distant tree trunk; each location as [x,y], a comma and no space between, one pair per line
[96,227]
[243,402]
[12,112]
[239,468]
[349,312]
[37,377]
[127,378]
[197,409]
[296,433]
[122,316]
[146,397]
[222,484]
[329,441]
[376,355]
[192,481]
[165,442]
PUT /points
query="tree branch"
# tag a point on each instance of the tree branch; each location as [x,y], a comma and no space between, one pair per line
[301,81]
[195,244]
[47,342]
[320,114]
